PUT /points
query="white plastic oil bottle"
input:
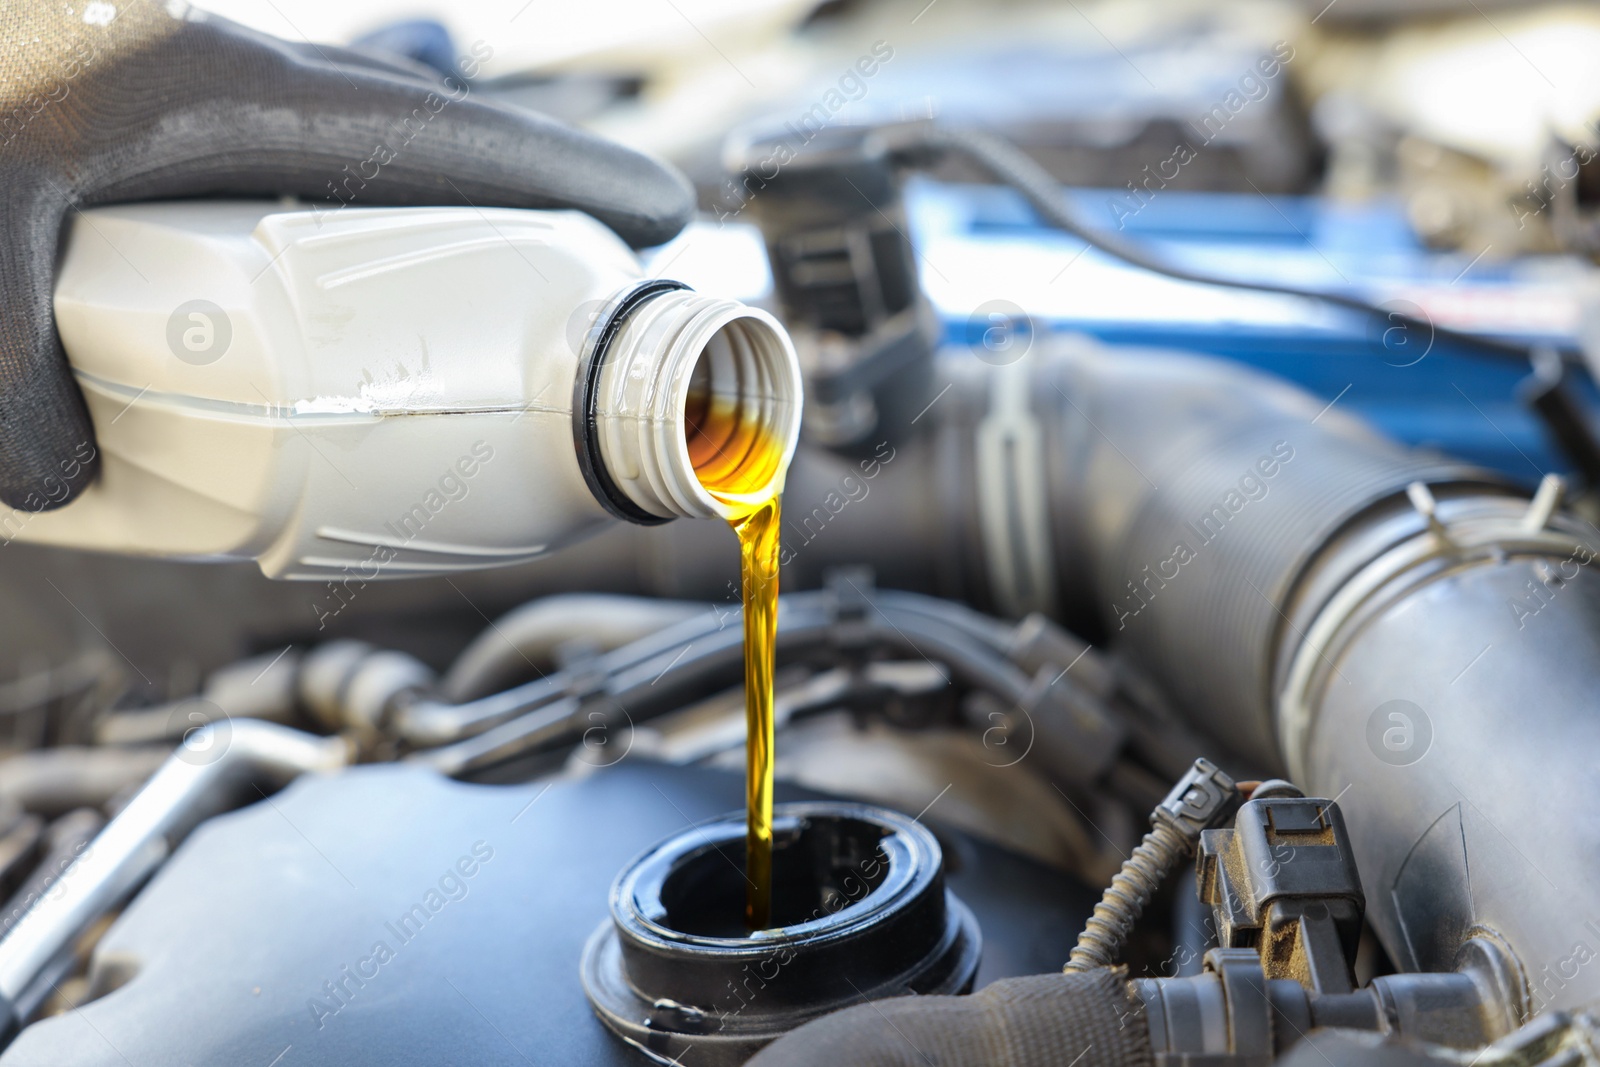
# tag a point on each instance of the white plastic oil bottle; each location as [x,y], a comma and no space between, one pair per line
[376,393]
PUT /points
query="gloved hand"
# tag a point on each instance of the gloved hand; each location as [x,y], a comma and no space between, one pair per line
[113,100]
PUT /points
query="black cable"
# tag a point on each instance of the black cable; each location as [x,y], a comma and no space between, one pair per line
[658,657]
[1012,167]
[667,669]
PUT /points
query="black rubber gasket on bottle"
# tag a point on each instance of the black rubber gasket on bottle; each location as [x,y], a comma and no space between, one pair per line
[585,432]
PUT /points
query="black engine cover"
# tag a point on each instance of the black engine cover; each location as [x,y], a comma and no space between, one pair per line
[385,915]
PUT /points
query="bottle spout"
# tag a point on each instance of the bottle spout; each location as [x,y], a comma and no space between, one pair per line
[689,406]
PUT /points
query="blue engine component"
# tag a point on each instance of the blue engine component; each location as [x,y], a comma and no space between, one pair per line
[983,251]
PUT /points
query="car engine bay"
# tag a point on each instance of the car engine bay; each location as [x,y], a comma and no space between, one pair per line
[1184,628]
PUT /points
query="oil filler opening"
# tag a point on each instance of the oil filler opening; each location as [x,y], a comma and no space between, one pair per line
[819,867]
[859,908]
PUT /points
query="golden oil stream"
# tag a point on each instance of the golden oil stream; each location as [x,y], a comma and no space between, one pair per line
[740,465]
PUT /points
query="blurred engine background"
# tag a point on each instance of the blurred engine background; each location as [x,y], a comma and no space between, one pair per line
[1437,157]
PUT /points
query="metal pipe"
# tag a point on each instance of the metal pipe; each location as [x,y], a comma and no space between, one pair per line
[199,779]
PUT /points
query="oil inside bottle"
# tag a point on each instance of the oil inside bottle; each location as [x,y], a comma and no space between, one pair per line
[740,465]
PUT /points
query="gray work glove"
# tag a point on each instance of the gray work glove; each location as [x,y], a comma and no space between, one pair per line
[138,100]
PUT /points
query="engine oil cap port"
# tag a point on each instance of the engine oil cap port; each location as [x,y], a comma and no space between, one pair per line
[859,910]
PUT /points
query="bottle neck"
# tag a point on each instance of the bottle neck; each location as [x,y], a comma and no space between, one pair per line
[695,406]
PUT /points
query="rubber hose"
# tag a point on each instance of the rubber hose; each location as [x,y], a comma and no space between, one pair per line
[521,642]
[67,838]
[1047,1020]
[53,781]
[1192,578]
